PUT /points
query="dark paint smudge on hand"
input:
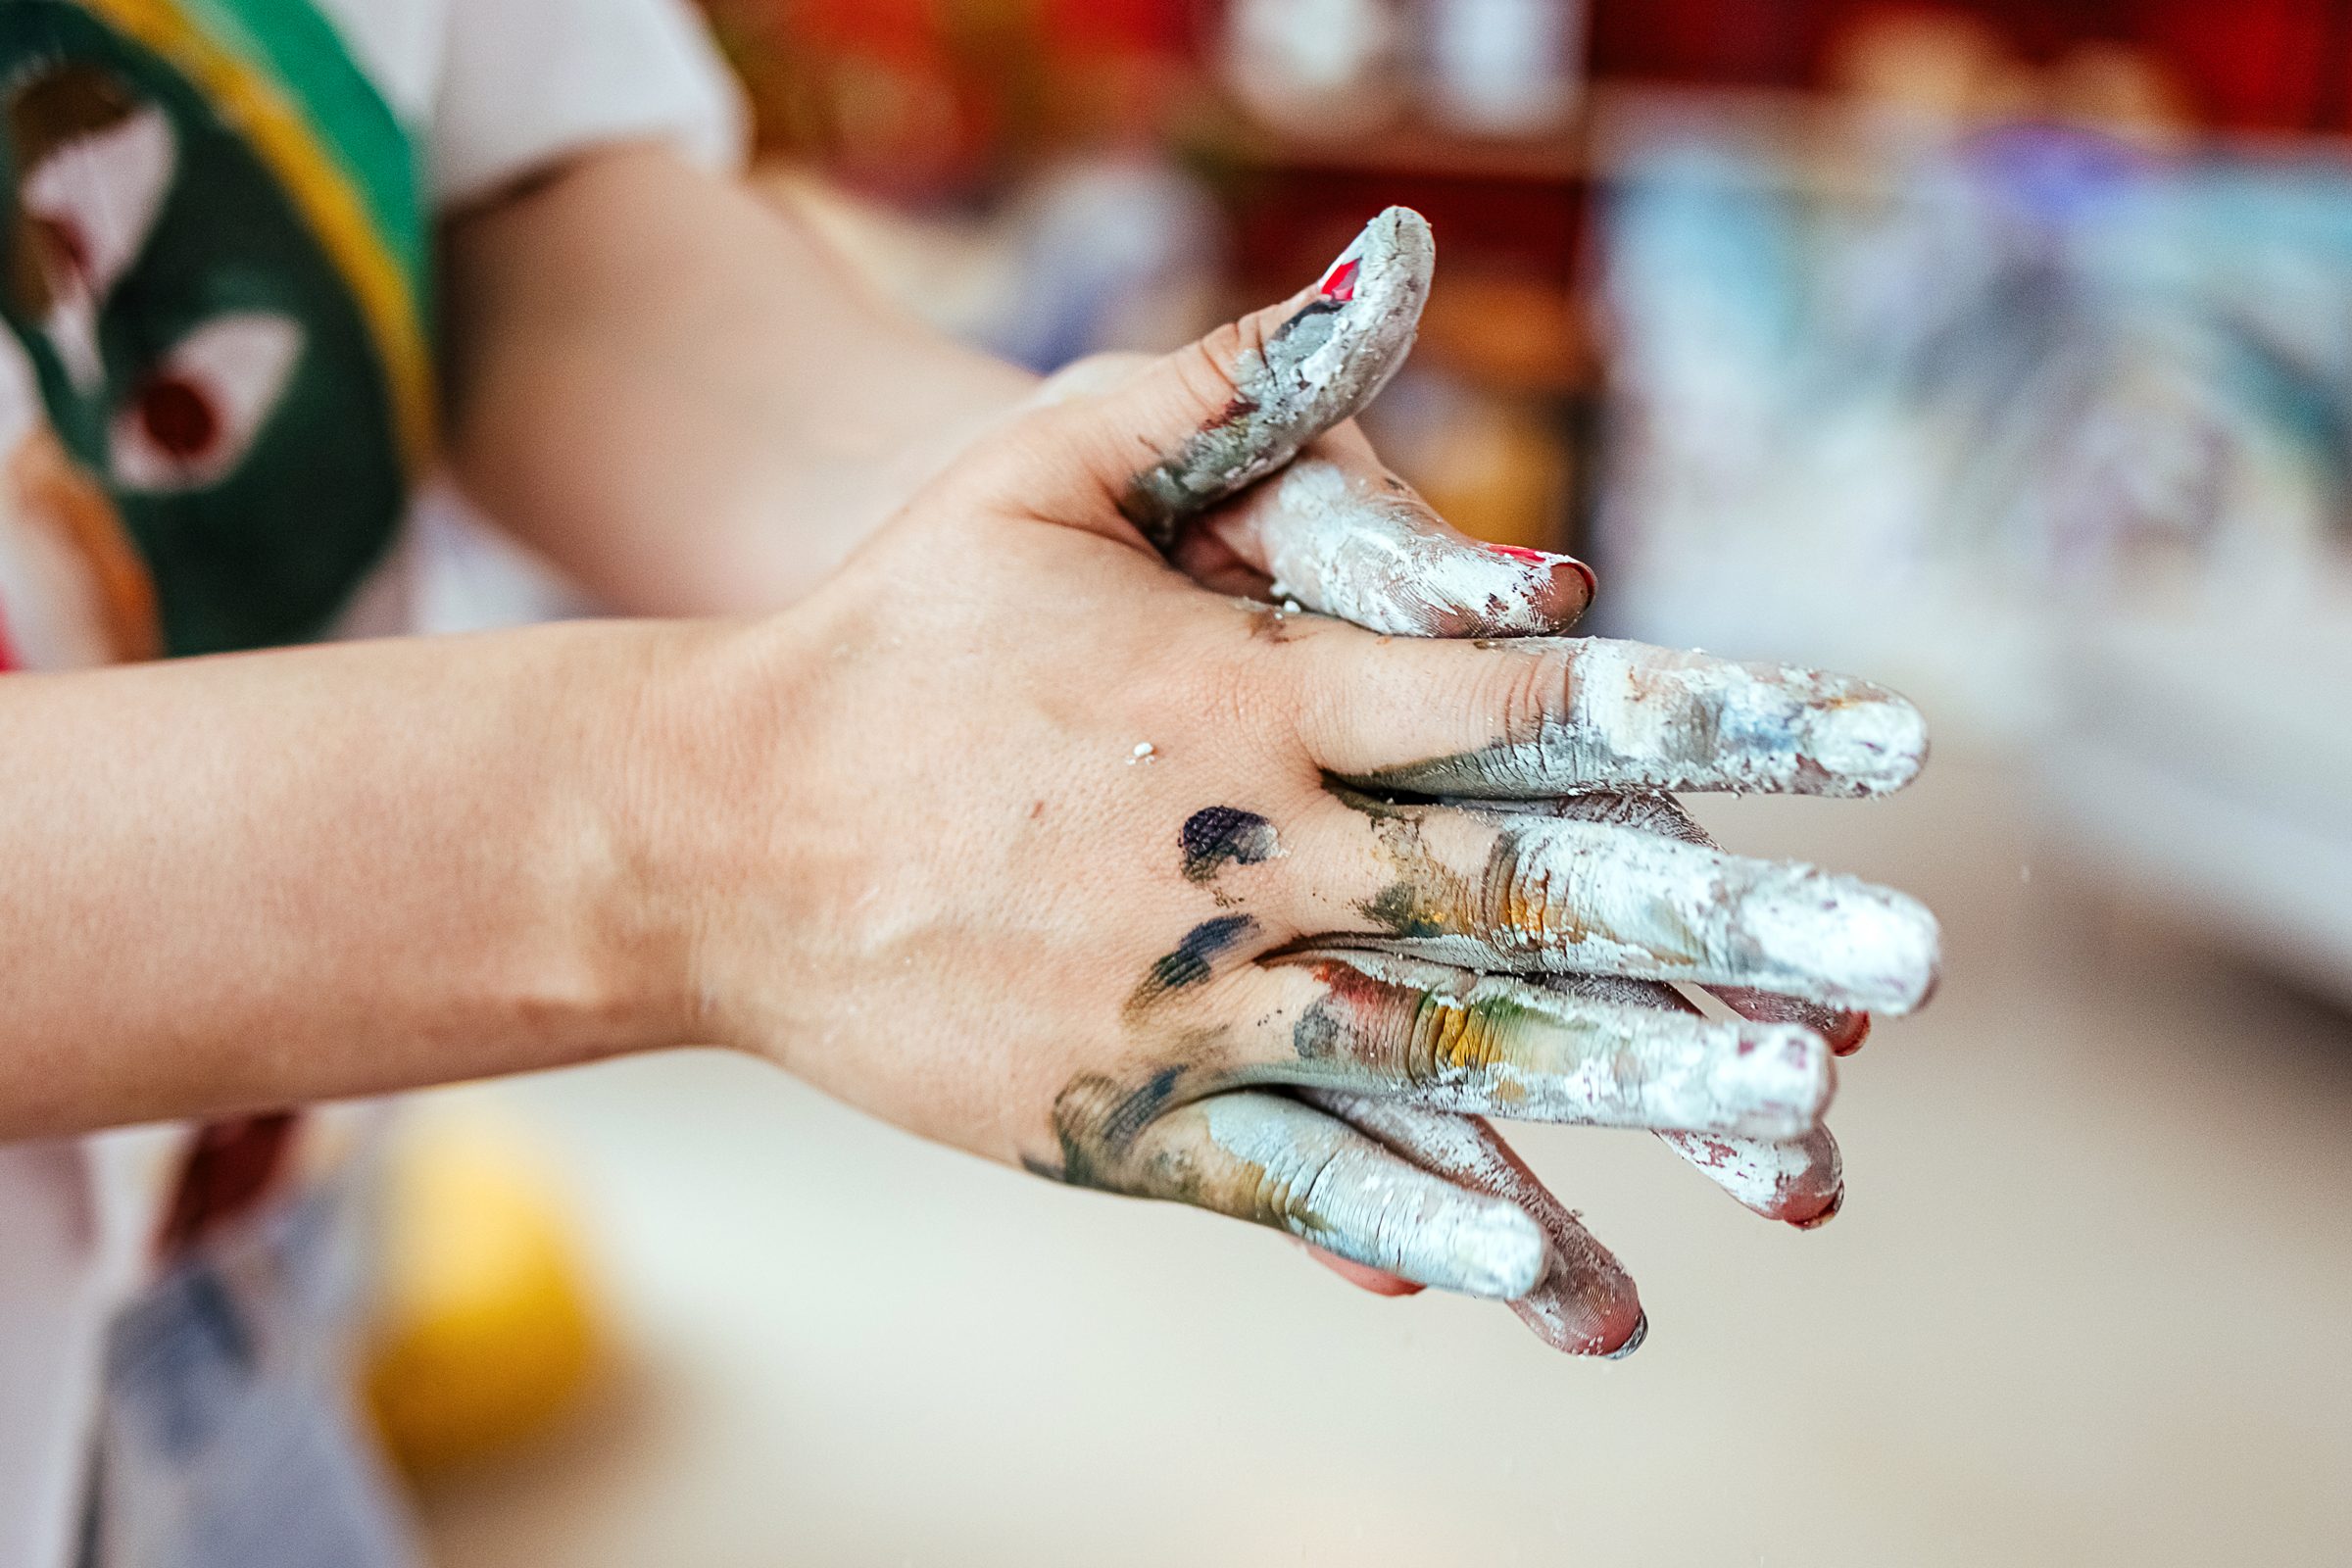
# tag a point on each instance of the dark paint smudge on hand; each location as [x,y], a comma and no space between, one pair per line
[1190,964]
[1221,835]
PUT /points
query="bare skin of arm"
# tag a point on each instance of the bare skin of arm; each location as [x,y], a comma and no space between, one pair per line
[676,394]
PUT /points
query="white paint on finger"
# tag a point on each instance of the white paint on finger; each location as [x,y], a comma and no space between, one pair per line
[1584,1304]
[1592,899]
[1319,368]
[1496,1046]
[1331,1186]
[1631,716]
[1762,1175]
[1346,547]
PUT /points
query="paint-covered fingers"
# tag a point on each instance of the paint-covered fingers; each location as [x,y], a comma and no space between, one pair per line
[1540,718]
[1275,1161]
[1585,1303]
[1339,534]
[1529,892]
[1845,1029]
[1799,1181]
[1204,423]
[1391,1027]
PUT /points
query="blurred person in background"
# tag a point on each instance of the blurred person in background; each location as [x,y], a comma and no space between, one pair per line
[918,840]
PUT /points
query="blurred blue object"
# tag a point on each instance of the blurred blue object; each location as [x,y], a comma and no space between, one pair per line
[2036,344]
[1114,253]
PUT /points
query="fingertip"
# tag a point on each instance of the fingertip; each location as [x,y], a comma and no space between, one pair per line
[1844,1029]
[1583,1312]
[1632,1342]
[1913,940]
[1566,585]
[1583,588]
[1848,1033]
[1874,741]
[1506,1252]
[1822,1215]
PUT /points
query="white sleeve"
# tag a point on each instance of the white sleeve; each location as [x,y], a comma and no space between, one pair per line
[522,84]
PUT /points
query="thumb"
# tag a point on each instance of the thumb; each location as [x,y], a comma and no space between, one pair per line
[1205,422]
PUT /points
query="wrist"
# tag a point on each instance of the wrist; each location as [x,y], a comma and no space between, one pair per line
[690,820]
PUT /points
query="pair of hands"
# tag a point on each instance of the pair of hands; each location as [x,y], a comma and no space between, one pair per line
[1062,859]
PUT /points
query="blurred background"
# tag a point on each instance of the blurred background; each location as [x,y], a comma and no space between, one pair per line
[2002,351]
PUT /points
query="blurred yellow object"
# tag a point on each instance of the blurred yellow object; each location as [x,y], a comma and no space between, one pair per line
[484,1333]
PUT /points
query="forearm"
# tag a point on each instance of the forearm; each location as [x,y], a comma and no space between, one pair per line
[252,881]
[665,385]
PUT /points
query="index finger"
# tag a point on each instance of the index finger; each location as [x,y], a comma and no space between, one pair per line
[1545,716]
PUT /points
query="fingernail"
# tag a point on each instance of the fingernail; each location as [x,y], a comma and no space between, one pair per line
[1826,1213]
[1848,1038]
[1632,1341]
[1386,267]
[1572,583]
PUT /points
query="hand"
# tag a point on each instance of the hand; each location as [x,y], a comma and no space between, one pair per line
[1055,857]
[1362,546]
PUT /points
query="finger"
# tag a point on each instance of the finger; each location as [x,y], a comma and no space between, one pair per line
[1845,1029]
[1336,533]
[1522,891]
[1548,716]
[1274,1161]
[1586,1303]
[1799,1181]
[1190,430]
[1375,1024]
[1340,534]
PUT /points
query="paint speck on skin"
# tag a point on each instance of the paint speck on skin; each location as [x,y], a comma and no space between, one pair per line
[1219,836]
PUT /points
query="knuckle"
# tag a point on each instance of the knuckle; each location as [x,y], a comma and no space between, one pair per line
[1285,1192]
[1205,369]
[1527,692]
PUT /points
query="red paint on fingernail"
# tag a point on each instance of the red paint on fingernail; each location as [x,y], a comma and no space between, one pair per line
[1340,282]
[1848,1039]
[1576,595]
